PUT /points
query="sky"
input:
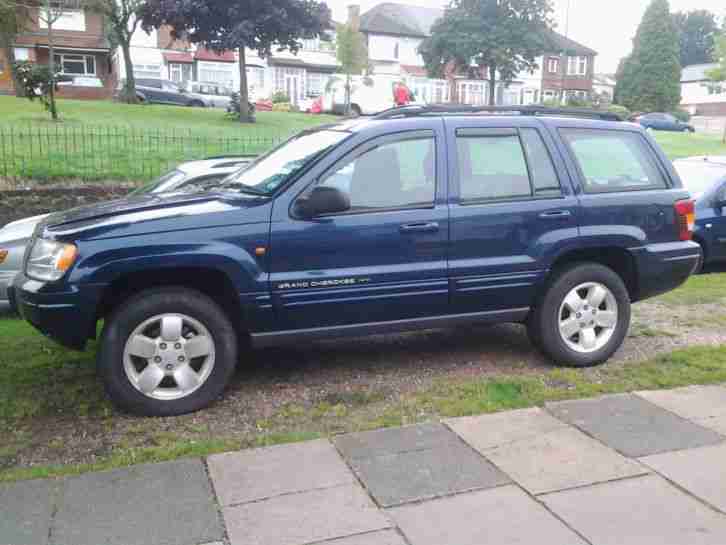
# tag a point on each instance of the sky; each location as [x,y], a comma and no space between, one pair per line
[607,26]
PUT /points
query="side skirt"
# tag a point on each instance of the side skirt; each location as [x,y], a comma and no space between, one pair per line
[371,328]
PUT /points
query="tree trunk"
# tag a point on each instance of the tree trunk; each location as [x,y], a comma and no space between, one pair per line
[51,65]
[244,98]
[128,94]
[9,52]
[492,85]
[347,95]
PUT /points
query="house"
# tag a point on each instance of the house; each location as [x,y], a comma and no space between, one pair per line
[603,88]
[156,54]
[699,94]
[81,50]
[395,31]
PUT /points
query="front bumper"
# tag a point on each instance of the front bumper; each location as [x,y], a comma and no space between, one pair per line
[665,266]
[62,312]
[6,280]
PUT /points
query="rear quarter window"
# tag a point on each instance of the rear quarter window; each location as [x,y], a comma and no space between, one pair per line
[612,161]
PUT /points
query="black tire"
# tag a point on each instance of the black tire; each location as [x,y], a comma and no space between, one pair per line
[543,322]
[196,104]
[141,307]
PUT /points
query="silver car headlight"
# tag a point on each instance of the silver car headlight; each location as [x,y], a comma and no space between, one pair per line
[50,260]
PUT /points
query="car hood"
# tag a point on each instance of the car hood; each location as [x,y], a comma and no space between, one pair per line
[156,212]
[20,229]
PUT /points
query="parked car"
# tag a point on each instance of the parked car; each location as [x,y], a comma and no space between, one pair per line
[369,226]
[663,122]
[162,91]
[213,94]
[705,178]
[187,177]
[368,96]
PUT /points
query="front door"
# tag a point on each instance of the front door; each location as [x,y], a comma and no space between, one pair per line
[291,88]
[509,213]
[385,258]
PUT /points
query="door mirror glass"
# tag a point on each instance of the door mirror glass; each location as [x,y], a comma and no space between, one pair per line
[323,200]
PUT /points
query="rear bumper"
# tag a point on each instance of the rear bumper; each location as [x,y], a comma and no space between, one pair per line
[62,313]
[663,267]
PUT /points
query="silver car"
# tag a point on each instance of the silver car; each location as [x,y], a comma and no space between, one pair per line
[190,176]
[212,94]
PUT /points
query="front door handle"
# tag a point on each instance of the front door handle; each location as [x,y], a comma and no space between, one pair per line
[421,227]
[556,214]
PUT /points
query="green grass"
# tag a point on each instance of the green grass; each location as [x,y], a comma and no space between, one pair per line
[100,140]
[677,145]
[700,289]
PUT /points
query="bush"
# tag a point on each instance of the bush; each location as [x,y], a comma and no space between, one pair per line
[682,115]
[281,106]
[280,97]
[622,111]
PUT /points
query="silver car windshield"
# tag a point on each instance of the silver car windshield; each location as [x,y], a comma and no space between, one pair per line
[270,171]
[699,177]
[162,183]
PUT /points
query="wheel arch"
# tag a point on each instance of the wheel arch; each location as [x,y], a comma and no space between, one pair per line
[620,260]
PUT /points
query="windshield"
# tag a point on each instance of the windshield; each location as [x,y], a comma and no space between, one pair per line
[270,171]
[166,182]
[699,177]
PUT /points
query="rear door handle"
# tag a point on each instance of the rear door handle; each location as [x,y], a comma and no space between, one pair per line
[556,214]
[422,227]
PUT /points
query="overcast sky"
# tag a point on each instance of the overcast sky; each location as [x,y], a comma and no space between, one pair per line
[607,26]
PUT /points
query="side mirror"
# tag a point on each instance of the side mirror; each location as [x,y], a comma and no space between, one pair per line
[323,200]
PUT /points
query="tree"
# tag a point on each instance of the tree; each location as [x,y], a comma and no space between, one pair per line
[13,20]
[718,74]
[225,25]
[697,31]
[501,37]
[122,18]
[352,54]
[650,80]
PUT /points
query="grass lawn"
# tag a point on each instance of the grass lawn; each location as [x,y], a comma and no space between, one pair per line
[99,140]
[676,144]
[43,385]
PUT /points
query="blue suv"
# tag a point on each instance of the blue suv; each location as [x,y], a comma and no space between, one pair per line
[421,217]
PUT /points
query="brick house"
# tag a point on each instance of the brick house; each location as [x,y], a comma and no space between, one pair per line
[568,71]
[81,51]
[699,95]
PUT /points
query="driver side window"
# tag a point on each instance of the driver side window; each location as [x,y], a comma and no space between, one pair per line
[399,174]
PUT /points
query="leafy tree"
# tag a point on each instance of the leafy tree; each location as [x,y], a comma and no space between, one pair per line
[225,25]
[122,18]
[13,20]
[500,37]
[718,74]
[650,79]
[352,54]
[697,31]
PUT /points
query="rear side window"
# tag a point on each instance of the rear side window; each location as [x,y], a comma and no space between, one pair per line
[497,165]
[612,161]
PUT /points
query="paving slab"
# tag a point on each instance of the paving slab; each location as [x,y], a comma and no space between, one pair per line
[393,440]
[701,471]
[691,402]
[307,517]
[256,474]
[165,504]
[25,512]
[423,474]
[385,537]
[633,426]
[500,516]
[541,453]
[641,511]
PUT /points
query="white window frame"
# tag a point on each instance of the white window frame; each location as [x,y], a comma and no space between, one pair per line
[148,71]
[85,58]
[553,65]
[219,69]
[577,66]
[69,19]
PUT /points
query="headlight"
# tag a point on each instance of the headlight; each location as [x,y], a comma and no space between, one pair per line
[49,260]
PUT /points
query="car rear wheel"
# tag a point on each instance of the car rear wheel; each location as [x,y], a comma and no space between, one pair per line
[583,317]
[167,351]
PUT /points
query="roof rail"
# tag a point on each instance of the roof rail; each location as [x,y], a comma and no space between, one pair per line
[442,109]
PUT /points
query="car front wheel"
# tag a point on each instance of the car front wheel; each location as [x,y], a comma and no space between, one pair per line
[166,352]
[583,316]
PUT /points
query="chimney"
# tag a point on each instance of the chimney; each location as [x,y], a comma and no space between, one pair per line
[354,16]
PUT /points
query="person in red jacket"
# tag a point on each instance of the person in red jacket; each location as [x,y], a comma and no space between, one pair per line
[401,96]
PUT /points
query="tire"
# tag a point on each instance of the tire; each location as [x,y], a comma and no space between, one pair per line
[196,104]
[121,368]
[583,348]
[700,267]
[355,110]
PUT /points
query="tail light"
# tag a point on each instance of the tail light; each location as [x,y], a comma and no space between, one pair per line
[685,218]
